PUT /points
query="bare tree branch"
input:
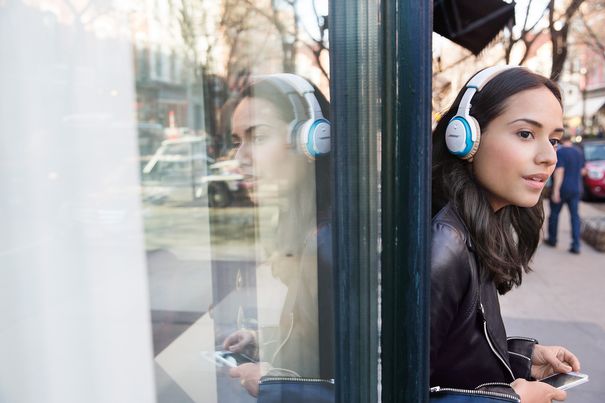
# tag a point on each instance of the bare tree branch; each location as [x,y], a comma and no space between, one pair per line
[596,42]
[559,35]
[457,62]
[317,53]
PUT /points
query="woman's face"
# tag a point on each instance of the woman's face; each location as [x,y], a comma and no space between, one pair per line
[517,152]
[270,165]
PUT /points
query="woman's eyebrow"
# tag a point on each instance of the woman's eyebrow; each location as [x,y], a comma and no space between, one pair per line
[252,128]
[535,123]
[530,121]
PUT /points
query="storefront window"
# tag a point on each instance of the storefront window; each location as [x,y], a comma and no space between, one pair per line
[168,177]
[234,143]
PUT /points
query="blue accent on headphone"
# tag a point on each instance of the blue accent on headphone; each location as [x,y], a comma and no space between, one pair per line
[311,147]
[467,133]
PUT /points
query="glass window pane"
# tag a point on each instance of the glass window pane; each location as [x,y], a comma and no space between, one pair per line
[234,139]
[166,199]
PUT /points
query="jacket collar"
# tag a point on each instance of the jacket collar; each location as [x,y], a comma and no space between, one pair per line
[449,215]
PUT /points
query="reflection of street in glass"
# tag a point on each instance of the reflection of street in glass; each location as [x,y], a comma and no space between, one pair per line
[181,170]
[174,226]
[237,235]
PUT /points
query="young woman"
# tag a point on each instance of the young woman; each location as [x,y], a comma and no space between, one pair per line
[492,154]
[281,132]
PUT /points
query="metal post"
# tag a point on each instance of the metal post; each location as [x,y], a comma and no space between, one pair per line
[355,94]
[406,163]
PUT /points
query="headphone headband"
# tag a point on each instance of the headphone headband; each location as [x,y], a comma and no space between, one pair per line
[483,77]
[463,134]
[310,130]
[476,84]
[291,84]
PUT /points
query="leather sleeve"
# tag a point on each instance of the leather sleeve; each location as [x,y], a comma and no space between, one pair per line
[520,350]
[450,281]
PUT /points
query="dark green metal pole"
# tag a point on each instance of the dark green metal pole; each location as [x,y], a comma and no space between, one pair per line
[355,99]
[405,232]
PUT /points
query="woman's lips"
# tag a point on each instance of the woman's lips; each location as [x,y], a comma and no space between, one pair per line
[248,182]
[536,181]
[533,184]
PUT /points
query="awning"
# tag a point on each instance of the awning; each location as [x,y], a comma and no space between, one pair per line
[471,23]
[591,107]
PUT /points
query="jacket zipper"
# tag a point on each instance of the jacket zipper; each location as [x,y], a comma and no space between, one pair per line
[491,346]
[520,355]
[268,379]
[522,338]
[493,384]
[438,389]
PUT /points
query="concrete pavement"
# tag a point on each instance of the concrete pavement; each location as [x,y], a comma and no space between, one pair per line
[562,302]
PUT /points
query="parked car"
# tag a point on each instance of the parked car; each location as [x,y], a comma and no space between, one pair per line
[224,184]
[180,170]
[594,180]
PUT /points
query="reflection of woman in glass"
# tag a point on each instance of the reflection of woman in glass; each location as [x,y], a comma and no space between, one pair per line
[283,142]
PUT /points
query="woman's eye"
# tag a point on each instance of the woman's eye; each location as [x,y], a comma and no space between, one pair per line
[525,134]
[555,142]
[236,141]
[260,139]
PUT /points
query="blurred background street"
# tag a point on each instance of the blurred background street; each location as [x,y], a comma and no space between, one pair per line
[562,301]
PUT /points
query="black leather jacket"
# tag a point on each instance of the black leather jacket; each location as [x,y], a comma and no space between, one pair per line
[469,346]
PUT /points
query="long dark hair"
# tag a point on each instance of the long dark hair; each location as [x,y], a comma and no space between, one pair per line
[506,240]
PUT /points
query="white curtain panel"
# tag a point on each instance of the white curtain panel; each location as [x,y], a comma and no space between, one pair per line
[74,302]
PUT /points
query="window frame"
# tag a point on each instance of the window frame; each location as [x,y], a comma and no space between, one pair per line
[382,296]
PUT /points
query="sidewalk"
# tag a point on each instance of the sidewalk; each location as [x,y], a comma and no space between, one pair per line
[562,302]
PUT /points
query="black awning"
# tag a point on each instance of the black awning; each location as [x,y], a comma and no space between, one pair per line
[471,23]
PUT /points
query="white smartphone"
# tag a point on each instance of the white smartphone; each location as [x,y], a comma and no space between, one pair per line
[226,358]
[565,381]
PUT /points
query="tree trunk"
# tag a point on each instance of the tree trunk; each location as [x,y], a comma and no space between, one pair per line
[559,53]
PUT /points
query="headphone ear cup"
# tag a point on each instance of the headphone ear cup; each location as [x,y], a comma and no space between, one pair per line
[294,129]
[314,138]
[477,135]
[462,136]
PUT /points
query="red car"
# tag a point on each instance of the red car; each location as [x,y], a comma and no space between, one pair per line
[594,180]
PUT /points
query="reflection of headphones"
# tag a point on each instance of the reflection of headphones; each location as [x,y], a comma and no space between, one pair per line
[309,130]
[463,134]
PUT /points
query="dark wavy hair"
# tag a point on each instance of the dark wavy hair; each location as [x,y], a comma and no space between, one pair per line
[506,240]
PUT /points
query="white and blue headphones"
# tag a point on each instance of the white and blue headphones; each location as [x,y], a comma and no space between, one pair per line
[309,131]
[463,134]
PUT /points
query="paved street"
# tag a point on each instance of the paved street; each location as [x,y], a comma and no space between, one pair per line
[562,302]
[600,205]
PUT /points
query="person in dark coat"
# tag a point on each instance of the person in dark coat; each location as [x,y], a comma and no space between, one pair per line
[493,152]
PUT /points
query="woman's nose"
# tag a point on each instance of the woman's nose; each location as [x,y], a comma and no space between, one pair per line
[547,154]
[243,154]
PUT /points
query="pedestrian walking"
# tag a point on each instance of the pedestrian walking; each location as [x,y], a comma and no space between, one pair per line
[566,189]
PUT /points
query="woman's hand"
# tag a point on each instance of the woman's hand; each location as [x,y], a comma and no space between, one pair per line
[249,375]
[537,392]
[547,360]
[242,341]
